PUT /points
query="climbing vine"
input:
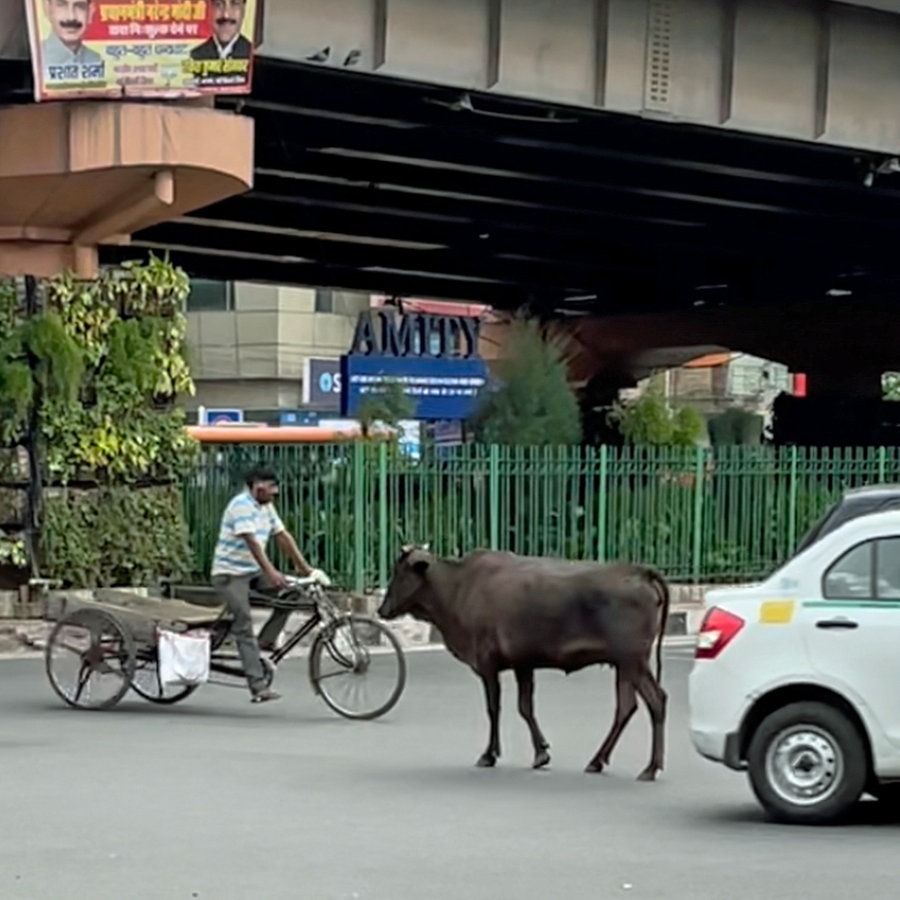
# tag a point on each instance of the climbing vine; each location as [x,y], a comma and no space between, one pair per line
[104,363]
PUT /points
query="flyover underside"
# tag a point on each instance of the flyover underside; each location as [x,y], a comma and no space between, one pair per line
[363,183]
[404,188]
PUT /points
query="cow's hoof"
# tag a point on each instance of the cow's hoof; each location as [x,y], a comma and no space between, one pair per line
[541,759]
[647,775]
[594,766]
[486,761]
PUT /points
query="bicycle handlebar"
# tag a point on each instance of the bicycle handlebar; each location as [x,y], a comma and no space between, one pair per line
[295,581]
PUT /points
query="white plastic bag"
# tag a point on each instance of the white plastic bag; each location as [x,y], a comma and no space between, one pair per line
[183,658]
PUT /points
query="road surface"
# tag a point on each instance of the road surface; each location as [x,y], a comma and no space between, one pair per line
[221,799]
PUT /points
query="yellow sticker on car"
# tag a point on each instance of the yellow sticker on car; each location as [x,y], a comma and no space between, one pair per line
[776,612]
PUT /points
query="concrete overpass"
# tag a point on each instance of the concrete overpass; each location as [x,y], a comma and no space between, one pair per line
[587,158]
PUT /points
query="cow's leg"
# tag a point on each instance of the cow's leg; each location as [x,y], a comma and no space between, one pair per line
[525,678]
[626,704]
[655,698]
[491,683]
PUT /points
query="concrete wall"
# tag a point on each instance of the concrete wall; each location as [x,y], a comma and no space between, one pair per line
[808,69]
[252,357]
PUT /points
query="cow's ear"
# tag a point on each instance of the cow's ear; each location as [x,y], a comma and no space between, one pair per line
[426,547]
[420,566]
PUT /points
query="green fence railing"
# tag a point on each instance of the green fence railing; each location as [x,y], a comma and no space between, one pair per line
[701,515]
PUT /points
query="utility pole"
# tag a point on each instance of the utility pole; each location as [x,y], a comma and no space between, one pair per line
[32,444]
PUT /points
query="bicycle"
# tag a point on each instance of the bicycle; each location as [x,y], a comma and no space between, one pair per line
[352,642]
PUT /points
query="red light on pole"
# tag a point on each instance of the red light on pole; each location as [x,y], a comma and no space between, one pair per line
[799,384]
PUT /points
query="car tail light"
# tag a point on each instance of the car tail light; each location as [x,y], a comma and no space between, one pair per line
[718,630]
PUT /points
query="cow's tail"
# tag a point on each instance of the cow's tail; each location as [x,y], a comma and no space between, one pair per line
[662,589]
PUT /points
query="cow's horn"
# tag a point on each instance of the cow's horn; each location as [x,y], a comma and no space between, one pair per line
[426,546]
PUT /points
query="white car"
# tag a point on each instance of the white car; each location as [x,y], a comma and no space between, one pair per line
[796,680]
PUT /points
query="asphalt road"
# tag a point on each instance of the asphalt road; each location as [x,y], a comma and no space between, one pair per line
[218,798]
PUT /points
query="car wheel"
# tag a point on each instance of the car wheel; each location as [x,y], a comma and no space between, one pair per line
[807,764]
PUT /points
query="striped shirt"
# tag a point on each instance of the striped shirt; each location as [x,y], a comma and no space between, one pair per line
[243,515]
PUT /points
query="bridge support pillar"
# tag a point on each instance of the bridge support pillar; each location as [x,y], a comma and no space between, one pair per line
[75,176]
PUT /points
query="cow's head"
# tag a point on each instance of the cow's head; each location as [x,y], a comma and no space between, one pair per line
[408,578]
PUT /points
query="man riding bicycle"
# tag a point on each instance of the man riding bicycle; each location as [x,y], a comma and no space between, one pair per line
[240,561]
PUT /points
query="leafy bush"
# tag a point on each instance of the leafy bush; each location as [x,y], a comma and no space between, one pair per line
[650,420]
[114,536]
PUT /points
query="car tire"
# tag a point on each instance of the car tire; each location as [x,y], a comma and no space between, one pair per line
[807,764]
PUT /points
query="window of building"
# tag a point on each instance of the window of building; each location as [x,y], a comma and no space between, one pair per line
[210,296]
[324,300]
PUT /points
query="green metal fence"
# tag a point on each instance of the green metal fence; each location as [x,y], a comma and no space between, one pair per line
[704,515]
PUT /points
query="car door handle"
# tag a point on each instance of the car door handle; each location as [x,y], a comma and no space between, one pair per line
[837,623]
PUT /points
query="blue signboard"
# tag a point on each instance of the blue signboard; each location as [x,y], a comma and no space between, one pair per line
[224,417]
[441,388]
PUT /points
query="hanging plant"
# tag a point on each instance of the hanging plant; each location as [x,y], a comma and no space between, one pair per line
[131,327]
[154,288]
[16,392]
[84,315]
[13,553]
[59,362]
[10,315]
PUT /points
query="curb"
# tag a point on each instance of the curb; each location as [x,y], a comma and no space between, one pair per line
[672,642]
[27,638]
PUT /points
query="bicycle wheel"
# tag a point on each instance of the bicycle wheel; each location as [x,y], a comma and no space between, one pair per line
[352,656]
[90,659]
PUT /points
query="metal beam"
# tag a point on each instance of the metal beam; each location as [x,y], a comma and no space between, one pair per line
[230,266]
[442,262]
[536,172]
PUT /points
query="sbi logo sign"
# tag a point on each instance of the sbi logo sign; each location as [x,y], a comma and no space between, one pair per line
[330,382]
[323,383]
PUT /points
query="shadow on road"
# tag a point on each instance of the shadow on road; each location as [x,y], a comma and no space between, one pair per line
[867,812]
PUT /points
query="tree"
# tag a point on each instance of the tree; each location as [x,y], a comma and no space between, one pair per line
[388,405]
[650,420]
[533,403]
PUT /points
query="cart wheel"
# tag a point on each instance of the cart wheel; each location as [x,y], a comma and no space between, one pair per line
[354,658]
[90,659]
[146,681]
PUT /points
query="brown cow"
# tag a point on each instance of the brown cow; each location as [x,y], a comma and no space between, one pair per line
[498,611]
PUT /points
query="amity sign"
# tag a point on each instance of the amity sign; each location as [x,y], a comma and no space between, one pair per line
[434,358]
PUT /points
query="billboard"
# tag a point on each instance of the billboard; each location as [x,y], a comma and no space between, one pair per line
[441,388]
[87,49]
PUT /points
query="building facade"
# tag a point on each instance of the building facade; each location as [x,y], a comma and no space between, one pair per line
[251,344]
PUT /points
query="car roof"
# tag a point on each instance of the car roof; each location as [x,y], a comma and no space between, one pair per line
[873,521]
[869,489]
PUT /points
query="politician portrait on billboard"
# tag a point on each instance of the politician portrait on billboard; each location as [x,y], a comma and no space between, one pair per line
[163,49]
